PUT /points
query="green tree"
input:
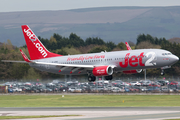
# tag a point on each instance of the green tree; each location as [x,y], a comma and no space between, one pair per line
[110,45]
[97,49]
[95,41]
[122,46]
[140,38]
[32,75]
[147,45]
[75,40]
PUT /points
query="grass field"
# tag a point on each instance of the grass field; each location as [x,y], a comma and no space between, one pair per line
[88,100]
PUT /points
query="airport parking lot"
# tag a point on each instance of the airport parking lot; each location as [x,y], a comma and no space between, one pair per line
[116,86]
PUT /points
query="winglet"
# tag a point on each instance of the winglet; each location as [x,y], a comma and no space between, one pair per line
[127,46]
[24,56]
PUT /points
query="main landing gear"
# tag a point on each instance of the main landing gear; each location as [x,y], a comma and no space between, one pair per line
[163,68]
[92,78]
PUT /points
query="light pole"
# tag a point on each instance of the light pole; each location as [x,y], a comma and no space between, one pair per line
[144,74]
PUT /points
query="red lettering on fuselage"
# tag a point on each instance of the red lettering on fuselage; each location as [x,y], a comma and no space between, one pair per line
[133,61]
[125,61]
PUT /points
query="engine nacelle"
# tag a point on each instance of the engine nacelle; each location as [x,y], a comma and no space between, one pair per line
[102,71]
[132,71]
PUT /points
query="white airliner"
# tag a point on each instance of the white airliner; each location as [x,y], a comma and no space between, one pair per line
[95,64]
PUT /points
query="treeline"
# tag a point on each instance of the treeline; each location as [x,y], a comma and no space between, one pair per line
[57,44]
[76,45]
[57,41]
[152,40]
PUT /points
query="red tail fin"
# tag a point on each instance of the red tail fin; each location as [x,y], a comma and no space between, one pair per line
[35,47]
[127,46]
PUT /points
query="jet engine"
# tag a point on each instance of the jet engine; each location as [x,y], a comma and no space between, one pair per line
[102,71]
[132,71]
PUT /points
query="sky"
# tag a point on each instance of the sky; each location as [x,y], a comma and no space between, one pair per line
[38,5]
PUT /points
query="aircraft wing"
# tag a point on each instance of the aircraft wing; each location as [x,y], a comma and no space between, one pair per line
[55,64]
[59,65]
[26,60]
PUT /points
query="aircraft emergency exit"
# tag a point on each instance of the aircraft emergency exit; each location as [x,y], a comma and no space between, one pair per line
[95,64]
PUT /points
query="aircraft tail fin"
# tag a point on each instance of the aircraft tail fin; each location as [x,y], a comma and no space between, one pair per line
[127,46]
[36,49]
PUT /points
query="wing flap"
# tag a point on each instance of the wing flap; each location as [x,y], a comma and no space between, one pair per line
[66,65]
[71,65]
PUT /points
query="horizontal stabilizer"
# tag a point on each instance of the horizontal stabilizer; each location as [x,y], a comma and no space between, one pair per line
[26,59]
[13,61]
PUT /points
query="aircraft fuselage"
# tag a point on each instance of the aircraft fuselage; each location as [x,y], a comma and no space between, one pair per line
[122,60]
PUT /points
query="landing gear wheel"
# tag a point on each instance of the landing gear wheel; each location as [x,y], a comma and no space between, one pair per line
[91,78]
[162,72]
[110,77]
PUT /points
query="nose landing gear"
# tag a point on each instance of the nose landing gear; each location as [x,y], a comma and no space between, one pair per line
[162,69]
[162,72]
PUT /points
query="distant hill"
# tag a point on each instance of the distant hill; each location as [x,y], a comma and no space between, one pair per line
[174,40]
[117,24]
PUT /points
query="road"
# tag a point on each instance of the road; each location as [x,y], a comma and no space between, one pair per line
[96,113]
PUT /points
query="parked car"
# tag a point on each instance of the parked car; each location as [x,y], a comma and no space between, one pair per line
[10,90]
[78,90]
[135,83]
[162,82]
[48,90]
[153,89]
[71,89]
[143,89]
[15,89]
[174,88]
[174,83]
[154,85]
[100,89]
[115,89]
[34,89]
[166,89]
[145,82]
[126,89]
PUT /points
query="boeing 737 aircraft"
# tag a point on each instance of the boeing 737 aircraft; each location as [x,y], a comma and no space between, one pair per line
[96,64]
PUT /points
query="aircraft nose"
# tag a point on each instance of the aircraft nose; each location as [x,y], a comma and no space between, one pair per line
[175,59]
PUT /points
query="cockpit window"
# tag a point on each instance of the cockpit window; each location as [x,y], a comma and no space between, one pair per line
[169,53]
[166,53]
